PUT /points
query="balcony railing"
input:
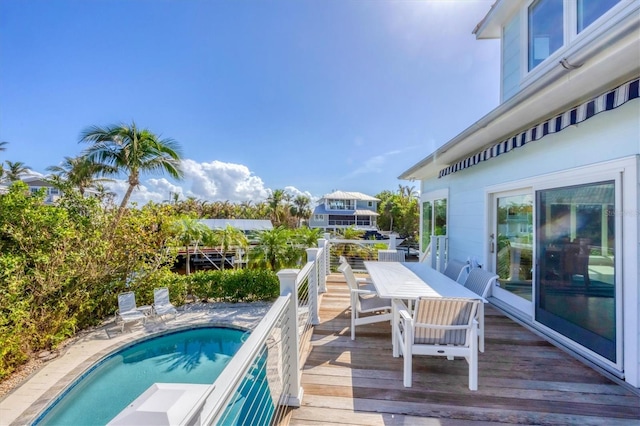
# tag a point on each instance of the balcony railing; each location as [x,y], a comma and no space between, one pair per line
[263,377]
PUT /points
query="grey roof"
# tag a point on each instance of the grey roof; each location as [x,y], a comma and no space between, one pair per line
[241,224]
[343,195]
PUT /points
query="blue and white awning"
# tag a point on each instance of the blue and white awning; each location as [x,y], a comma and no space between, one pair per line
[604,102]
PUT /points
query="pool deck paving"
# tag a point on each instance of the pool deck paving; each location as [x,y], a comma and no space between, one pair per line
[23,404]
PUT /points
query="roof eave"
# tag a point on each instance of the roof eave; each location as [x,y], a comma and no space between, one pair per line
[491,25]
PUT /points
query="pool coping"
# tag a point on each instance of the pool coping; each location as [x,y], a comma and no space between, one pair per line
[27,401]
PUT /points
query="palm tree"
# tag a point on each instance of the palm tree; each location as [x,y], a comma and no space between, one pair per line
[80,172]
[15,170]
[230,237]
[301,208]
[2,144]
[272,248]
[189,232]
[275,201]
[128,149]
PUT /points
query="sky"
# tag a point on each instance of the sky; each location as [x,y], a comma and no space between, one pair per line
[310,96]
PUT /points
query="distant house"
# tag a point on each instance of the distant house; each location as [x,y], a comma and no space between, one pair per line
[52,194]
[544,189]
[341,209]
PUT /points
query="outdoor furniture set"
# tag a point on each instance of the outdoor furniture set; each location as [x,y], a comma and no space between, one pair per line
[129,312]
[431,313]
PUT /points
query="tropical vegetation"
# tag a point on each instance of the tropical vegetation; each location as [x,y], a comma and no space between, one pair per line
[62,266]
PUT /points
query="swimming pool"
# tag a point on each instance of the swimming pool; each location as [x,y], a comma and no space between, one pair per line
[195,356]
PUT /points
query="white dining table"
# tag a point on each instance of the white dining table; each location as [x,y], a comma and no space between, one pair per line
[408,281]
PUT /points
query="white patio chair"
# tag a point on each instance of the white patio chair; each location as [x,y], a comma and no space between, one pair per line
[456,269]
[480,280]
[363,282]
[364,301]
[127,310]
[439,327]
[161,304]
[391,256]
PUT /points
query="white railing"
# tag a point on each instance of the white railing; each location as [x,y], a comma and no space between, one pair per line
[438,248]
[263,377]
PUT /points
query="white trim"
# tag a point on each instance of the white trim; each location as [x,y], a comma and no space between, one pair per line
[627,340]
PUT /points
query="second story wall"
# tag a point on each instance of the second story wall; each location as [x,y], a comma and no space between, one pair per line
[511,58]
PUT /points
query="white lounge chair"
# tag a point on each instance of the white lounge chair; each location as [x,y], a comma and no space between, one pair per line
[456,270]
[161,303]
[439,327]
[127,310]
[364,301]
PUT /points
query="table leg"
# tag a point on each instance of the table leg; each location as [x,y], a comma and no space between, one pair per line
[481,326]
[394,329]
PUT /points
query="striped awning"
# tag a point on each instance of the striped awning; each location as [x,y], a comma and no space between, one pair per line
[605,102]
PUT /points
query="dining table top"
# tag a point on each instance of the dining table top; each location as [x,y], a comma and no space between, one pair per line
[411,280]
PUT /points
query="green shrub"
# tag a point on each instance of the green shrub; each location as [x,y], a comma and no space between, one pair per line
[241,285]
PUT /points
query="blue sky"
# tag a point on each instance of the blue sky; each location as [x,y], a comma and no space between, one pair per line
[307,95]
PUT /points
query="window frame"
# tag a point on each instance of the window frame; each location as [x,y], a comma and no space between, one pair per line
[572,40]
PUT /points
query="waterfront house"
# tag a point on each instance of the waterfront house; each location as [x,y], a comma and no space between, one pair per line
[341,209]
[35,183]
[544,189]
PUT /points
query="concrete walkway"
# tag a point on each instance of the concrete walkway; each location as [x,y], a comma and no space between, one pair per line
[23,404]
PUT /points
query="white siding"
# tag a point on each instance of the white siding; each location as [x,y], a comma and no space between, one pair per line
[607,136]
[511,58]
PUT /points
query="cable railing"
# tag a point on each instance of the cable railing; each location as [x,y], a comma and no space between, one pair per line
[262,380]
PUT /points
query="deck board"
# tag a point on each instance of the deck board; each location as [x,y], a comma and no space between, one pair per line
[523,379]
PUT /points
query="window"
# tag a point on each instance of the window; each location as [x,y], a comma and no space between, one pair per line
[370,204]
[319,217]
[546,30]
[575,253]
[434,216]
[590,10]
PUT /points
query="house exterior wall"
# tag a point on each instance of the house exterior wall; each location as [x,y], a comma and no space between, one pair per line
[511,73]
[588,146]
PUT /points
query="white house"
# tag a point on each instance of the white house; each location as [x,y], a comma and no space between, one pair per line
[545,188]
[345,209]
[36,183]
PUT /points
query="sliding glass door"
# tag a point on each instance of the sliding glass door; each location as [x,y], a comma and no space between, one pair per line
[576,268]
[512,247]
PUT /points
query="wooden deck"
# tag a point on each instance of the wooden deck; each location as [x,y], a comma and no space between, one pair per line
[522,379]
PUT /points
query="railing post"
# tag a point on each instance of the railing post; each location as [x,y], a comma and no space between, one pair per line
[327,254]
[316,271]
[324,265]
[287,279]
[392,241]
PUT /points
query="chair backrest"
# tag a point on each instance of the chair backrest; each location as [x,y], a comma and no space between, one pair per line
[161,296]
[391,256]
[456,269]
[127,302]
[455,313]
[349,276]
[479,281]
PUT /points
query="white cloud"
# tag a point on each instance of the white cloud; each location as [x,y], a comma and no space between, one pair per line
[214,181]
[218,181]
[375,164]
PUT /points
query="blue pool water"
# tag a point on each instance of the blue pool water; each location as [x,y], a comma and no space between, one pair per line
[194,356]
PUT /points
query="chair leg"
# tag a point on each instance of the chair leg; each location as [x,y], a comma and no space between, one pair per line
[353,323]
[408,361]
[473,362]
